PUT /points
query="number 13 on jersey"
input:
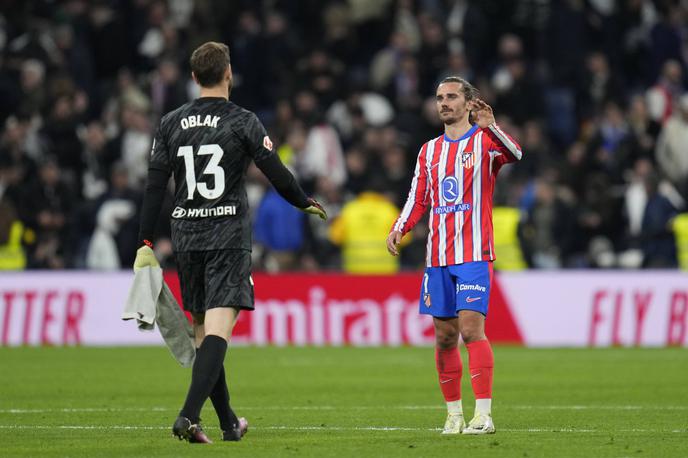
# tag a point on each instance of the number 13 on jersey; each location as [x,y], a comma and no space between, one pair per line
[213,168]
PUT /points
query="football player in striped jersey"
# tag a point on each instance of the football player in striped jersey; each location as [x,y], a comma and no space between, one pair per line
[454,177]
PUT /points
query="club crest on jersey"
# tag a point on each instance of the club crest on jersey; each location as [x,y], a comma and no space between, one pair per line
[467,159]
[267,143]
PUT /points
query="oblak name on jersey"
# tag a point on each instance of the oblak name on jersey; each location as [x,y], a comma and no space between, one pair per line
[456,179]
[199,121]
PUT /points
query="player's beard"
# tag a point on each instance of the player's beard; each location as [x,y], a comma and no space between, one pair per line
[453,119]
[455,116]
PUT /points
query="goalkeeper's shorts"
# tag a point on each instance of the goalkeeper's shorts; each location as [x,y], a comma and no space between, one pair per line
[215,278]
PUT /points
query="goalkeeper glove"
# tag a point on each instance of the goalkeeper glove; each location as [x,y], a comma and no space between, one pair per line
[314,208]
[145,258]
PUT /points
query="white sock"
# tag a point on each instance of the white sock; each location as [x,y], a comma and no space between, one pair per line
[483,406]
[455,407]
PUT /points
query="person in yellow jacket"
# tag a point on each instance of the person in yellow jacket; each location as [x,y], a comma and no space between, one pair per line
[12,255]
[362,223]
[680,227]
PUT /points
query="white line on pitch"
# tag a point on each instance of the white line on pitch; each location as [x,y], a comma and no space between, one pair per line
[88,409]
[345,407]
[342,428]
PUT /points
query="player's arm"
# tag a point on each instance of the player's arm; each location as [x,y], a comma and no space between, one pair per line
[280,177]
[154,194]
[286,185]
[415,206]
[506,149]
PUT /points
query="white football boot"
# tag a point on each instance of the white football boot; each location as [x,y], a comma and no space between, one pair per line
[454,424]
[480,424]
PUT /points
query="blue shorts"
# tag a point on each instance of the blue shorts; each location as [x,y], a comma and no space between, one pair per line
[446,290]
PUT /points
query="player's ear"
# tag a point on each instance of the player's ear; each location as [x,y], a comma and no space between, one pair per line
[193,76]
[228,73]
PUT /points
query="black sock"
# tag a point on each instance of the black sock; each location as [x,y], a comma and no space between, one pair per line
[206,369]
[220,398]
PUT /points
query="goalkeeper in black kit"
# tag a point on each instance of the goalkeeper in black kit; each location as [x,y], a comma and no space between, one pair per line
[208,144]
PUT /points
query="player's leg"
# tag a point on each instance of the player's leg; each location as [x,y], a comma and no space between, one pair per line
[197,322]
[438,300]
[191,271]
[449,369]
[480,359]
[228,281]
[233,428]
[218,324]
[219,395]
[473,300]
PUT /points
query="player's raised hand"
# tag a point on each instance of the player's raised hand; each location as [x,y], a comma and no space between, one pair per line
[393,241]
[483,113]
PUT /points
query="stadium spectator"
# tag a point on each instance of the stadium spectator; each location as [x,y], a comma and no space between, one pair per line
[548,228]
[281,242]
[61,138]
[587,87]
[599,85]
[362,223]
[662,97]
[97,157]
[657,238]
[117,217]
[12,255]
[32,95]
[322,155]
[167,90]
[672,149]
[45,209]
[134,142]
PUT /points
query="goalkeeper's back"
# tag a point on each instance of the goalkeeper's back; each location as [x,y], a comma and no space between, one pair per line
[207,145]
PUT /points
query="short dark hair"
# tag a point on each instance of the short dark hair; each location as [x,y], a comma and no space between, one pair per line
[469,91]
[209,63]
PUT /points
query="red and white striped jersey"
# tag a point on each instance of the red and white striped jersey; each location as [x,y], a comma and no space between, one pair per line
[456,178]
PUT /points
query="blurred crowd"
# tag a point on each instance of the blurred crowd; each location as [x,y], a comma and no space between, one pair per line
[594,91]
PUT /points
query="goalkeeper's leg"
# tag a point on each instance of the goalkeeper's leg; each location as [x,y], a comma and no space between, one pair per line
[219,396]
[218,325]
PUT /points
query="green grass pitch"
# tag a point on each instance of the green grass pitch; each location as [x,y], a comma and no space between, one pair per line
[362,402]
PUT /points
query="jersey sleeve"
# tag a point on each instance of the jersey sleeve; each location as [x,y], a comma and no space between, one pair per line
[160,156]
[417,200]
[503,149]
[256,139]
[156,184]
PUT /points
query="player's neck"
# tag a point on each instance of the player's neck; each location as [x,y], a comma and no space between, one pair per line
[215,91]
[458,129]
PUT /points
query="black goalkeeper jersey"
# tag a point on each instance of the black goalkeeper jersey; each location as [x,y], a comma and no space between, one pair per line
[207,145]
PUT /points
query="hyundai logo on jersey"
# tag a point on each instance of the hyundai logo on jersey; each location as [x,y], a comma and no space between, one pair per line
[225,210]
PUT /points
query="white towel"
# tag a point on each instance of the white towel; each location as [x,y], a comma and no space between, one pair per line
[150,301]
